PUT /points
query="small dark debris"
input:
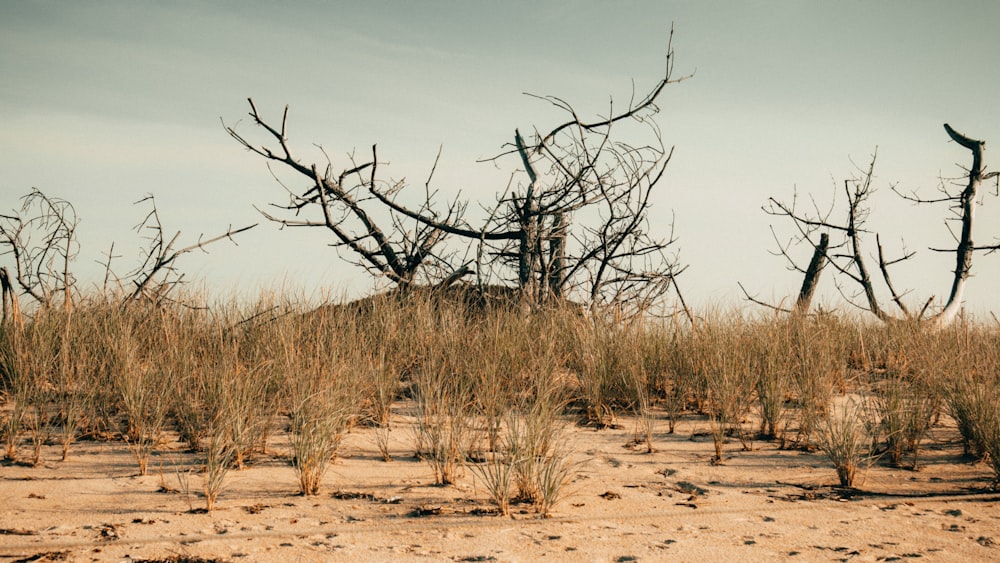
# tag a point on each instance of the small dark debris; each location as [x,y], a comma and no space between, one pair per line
[36,495]
[109,532]
[666,472]
[913,555]
[17,532]
[476,457]
[954,512]
[626,558]
[143,521]
[425,511]
[254,508]
[749,542]
[610,495]
[352,495]
[46,556]
[484,511]
[477,558]
[768,519]
[986,541]
[690,488]
[178,559]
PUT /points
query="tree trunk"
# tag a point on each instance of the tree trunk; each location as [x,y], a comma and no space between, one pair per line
[557,251]
[963,254]
[812,274]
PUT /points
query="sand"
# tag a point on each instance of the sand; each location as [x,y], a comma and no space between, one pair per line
[765,504]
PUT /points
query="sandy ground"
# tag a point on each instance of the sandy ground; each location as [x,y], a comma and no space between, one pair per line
[765,504]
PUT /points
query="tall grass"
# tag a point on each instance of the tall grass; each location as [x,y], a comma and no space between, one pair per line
[606,359]
[492,387]
[726,379]
[972,394]
[141,382]
[443,393]
[817,353]
[771,362]
[844,435]
[908,368]
[31,361]
[528,460]
[322,395]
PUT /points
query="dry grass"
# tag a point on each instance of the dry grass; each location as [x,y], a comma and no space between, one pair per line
[492,388]
[845,438]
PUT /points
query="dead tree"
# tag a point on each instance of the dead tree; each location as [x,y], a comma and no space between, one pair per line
[847,257]
[11,306]
[156,276]
[812,274]
[41,240]
[578,227]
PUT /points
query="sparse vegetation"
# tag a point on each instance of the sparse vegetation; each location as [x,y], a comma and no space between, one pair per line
[844,437]
[488,387]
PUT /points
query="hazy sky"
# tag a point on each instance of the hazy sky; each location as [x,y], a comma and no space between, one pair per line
[104,102]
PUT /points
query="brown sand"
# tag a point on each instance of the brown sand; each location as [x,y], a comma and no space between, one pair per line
[765,504]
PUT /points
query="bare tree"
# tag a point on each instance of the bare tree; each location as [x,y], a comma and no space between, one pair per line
[344,201]
[41,240]
[11,306]
[578,227]
[156,277]
[848,257]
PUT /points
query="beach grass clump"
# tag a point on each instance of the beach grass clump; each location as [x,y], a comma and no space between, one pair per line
[972,394]
[320,392]
[140,377]
[445,410]
[818,366]
[606,356]
[769,342]
[905,383]
[30,360]
[844,436]
[533,461]
[726,380]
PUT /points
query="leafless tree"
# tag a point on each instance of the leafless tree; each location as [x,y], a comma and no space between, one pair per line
[847,256]
[344,201]
[578,227]
[156,277]
[41,240]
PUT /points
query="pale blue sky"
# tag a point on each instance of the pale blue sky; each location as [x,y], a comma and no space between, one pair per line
[103,102]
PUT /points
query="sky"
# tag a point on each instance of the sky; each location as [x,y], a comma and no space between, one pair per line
[103,103]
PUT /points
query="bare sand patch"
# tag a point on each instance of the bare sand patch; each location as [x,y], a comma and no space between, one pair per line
[765,504]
